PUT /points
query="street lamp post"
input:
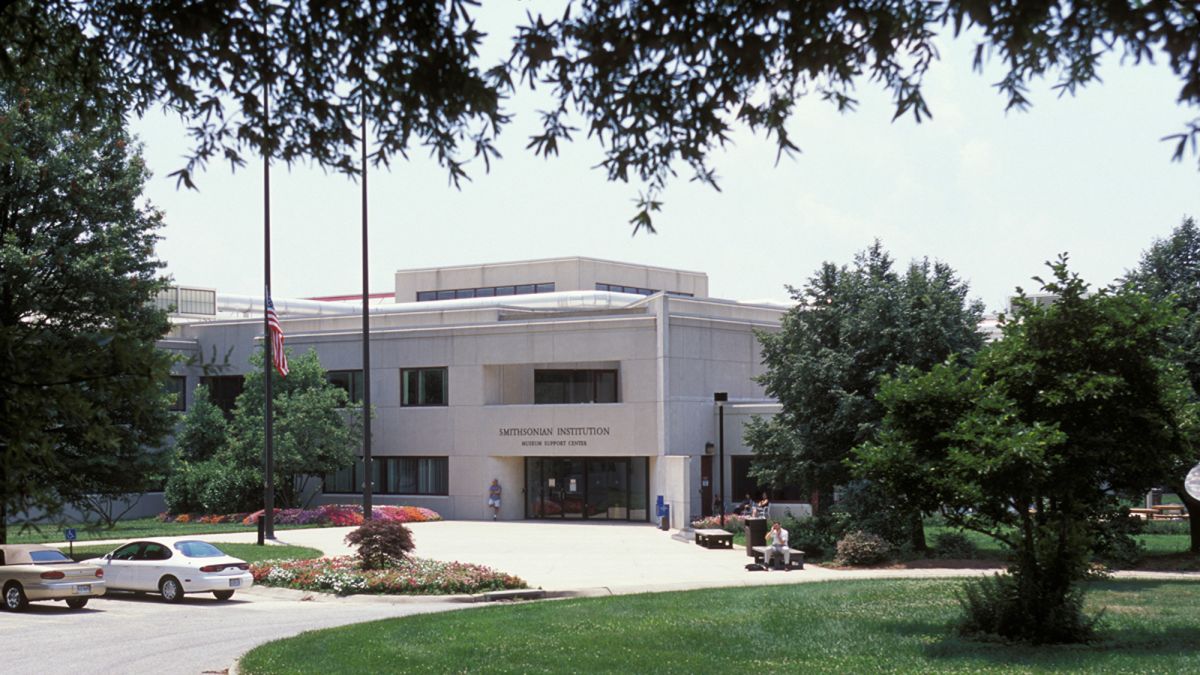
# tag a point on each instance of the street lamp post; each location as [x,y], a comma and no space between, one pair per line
[720,398]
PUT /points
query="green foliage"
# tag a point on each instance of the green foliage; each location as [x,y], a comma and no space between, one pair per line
[381,543]
[658,83]
[314,433]
[202,430]
[1116,542]
[954,546]
[862,548]
[997,607]
[1078,403]
[817,536]
[854,325]
[1169,271]
[82,382]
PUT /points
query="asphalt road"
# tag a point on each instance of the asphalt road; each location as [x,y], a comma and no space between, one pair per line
[124,633]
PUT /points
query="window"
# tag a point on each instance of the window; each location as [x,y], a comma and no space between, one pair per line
[349,381]
[395,476]
[223,390]
[574,386]
[177,387]
[423,386]
[742,484]
[486,292]
[617,288]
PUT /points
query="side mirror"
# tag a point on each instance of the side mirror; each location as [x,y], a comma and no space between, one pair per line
[108,556]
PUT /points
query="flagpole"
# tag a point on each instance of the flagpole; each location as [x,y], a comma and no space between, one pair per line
[268,451]
[366,331]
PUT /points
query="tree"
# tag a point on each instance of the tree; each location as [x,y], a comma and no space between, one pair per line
[1076,404]
[657,82]
[852,326]
[1170,270]
[82,397]
[315,433]
[202,430]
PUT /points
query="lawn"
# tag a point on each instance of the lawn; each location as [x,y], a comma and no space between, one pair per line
[862,626]
[248,552]
[130,529]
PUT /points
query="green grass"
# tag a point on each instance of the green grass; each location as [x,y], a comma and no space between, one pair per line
[248,552]
[129,529]
[1171,544]
[864,626]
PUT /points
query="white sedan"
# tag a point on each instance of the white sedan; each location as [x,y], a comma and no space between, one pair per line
[173,568]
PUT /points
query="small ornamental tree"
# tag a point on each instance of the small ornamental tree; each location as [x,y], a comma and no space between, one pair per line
[381,543]
[1077,403]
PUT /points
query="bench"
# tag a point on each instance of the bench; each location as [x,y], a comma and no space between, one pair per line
[797,559]
[714,538]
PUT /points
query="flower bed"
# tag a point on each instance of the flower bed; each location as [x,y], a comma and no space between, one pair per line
[326,514]
[412,576]
[733,523]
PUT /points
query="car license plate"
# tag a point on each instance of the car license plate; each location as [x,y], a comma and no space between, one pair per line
[83,589]
[235,582]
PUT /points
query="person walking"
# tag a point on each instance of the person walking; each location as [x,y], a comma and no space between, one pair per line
[494,498]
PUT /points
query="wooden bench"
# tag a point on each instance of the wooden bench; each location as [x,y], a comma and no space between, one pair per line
[714,538]
[797,559]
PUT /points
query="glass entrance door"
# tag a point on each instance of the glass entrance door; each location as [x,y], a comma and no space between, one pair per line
[595,488]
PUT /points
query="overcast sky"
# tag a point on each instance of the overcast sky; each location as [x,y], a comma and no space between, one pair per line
[995,195]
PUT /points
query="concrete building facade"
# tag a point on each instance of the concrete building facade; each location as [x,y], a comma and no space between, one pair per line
[586,387]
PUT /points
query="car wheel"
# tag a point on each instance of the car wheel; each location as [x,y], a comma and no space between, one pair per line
[223,595]
[170,589]
[14,598]
[77,603]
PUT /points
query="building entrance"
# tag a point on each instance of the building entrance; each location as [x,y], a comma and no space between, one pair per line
[587,488]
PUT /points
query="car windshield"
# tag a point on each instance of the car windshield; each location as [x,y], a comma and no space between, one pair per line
[198,549]
[48,557]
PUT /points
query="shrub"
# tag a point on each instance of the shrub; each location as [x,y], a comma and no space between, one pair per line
[1115,543]
[815,536]
[954,546]
[184,491]
[867,508]
[862,548]
[993,607]
[381,543]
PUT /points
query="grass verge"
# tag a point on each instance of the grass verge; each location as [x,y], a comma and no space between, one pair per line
[130,529]
[866,626]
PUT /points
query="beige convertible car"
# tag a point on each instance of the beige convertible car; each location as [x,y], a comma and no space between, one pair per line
[36,572]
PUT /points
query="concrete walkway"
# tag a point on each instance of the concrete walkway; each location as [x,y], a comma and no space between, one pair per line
[600,558]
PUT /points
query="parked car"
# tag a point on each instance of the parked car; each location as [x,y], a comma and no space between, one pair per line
[173,568]
[36,572]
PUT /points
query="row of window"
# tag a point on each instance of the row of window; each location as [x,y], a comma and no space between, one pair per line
[394,476]
[425,387]
[484,292]
[618,288]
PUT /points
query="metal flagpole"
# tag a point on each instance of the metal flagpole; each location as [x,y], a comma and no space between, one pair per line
[366,331]
[268,451]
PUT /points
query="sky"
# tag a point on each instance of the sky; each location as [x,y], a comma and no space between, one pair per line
[993,194]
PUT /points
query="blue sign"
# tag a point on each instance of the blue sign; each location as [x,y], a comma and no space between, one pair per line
[69,533]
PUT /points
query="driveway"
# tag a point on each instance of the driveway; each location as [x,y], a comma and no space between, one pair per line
[124,633]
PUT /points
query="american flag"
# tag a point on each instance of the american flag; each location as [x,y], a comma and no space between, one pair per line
[277,355]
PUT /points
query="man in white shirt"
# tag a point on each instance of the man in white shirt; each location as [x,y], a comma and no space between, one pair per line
[777,542]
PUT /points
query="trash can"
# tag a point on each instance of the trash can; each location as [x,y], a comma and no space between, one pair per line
[756,534]
[664,519]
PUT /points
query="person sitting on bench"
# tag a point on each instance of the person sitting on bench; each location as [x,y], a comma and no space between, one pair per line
[777,542]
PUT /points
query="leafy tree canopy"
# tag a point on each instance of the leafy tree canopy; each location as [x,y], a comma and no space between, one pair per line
[315,432]
[659,82]
[854,324]
[81,383]
[1078,402]
[1170,271]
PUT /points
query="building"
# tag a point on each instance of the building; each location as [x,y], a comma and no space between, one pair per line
[585,386]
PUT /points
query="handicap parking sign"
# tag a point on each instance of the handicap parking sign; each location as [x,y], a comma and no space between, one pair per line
[69,533]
